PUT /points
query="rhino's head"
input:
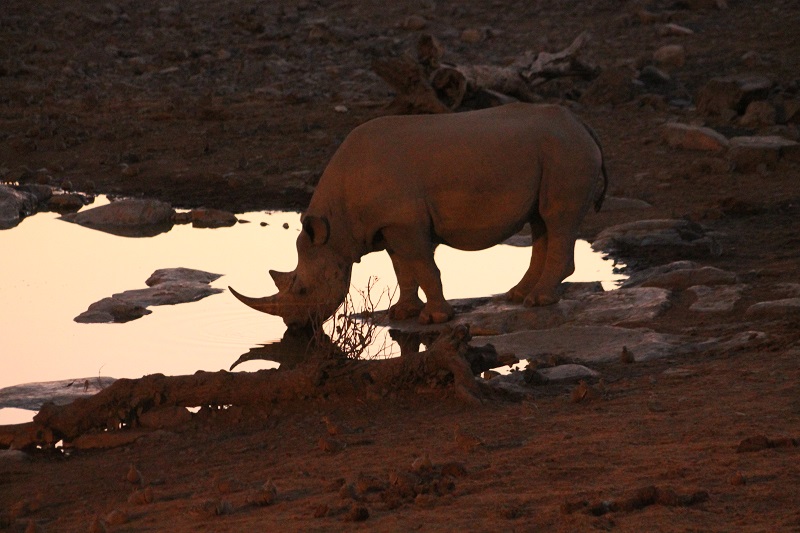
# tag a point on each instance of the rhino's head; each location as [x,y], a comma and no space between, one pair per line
[316,288]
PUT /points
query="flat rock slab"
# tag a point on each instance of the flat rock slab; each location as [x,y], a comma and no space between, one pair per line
[690,276]
[748,153]
[787,307]
[131,217]
[660,239]
[33,395]
[166,287]
[717,299]
[585,344]
[623,306]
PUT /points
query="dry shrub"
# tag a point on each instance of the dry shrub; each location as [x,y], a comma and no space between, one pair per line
[353,331]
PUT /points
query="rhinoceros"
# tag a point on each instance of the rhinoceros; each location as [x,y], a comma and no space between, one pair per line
[470,180]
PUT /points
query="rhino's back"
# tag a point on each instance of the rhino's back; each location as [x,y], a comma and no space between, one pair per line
[476,174]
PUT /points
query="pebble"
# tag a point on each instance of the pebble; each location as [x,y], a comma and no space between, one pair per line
[671,55]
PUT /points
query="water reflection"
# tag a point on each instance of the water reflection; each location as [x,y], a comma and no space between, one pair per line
[295,347]
[53,270]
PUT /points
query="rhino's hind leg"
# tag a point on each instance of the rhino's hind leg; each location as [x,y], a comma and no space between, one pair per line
[538,255]
[559,264]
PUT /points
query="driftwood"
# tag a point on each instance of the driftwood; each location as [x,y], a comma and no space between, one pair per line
[450,361]
[426,85]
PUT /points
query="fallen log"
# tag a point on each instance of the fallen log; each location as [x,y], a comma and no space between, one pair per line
[426,85]
[450,361]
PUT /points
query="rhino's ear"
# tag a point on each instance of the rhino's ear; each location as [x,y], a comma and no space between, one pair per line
[317,228]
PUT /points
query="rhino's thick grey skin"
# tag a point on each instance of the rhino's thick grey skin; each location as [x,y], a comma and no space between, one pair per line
[470,180]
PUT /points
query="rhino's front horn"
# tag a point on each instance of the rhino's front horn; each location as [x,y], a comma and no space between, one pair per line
[267,304]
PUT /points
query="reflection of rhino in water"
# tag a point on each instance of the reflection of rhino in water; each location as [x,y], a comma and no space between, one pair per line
[405,184]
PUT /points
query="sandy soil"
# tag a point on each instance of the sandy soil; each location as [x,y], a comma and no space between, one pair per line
[232,105]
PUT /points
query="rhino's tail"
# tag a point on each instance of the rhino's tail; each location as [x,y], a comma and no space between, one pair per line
[598,203]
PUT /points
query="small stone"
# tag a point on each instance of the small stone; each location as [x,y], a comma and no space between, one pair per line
[472,35]
[759,113]
[330,445]
[671,55]
[753,444]
[134,476]
[613,86]
[321,511]
[212,218]
[142,497]
[654,76]
[116,518]
[693,137]
[414,23]
[737,479]
[356,513]
[731,94]
[671,29]
[65,203]
[264,496]
[97,526]
[626,357]
[582,393]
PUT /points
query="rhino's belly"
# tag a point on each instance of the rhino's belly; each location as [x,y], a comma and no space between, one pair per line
[481,224]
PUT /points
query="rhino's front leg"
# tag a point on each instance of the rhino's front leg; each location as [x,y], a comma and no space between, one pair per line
[408,303]
[412,257]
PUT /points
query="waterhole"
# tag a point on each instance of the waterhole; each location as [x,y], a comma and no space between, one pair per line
[52,270]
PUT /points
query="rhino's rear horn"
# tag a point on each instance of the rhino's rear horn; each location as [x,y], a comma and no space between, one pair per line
[283,280]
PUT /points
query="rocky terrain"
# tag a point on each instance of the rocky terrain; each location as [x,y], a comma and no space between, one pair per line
[670,404]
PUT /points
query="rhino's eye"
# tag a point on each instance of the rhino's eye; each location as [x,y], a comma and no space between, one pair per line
[302,291]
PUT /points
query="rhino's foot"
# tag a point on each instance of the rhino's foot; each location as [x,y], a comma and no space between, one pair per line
[516,295]
[541,299]
[405,310]
[436,314]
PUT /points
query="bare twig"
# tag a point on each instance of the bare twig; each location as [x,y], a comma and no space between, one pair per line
[352,332]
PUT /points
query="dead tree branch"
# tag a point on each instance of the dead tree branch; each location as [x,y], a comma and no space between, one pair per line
[426,85]
[450,362]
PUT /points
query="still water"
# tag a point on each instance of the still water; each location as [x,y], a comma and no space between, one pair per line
[52,270]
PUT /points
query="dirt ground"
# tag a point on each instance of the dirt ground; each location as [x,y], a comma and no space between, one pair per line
[239,104]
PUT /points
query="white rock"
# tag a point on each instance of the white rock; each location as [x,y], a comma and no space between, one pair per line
[788,307]
[568,372]
[693,137]
[671,29]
